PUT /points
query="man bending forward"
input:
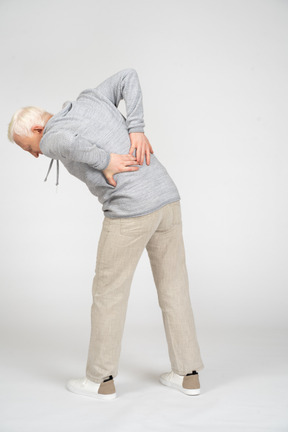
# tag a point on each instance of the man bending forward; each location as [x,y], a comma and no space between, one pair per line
[141,207]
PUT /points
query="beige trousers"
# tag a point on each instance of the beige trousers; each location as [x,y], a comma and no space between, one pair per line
[120,247]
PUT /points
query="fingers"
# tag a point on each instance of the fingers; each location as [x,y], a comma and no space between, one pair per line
[140,154]
[128,157]
[149,145]
[111,181]
[132,148]
[143,151]
[131,169]
[130,162]
[148,157]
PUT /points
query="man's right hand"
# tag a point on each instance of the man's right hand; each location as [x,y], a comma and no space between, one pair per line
[119,163]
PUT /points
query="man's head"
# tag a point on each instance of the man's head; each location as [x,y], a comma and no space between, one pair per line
[26,128]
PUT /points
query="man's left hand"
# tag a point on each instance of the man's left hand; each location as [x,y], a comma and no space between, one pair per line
[142,145]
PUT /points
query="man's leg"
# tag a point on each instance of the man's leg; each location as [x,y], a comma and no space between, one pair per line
[167,257]
[121,244]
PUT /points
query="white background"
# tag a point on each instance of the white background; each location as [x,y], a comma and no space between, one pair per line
[214,81]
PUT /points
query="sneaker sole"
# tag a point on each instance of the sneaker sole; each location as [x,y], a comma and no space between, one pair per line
[189,392]
[94,395]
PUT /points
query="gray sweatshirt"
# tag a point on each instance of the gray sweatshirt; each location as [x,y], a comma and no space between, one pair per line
[84,133]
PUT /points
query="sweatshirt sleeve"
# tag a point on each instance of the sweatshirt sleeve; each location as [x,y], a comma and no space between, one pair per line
[75,148]
[125,85]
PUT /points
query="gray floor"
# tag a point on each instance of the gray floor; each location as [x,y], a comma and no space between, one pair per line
[244,384]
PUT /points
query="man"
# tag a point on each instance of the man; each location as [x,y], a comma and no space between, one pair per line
[141,206]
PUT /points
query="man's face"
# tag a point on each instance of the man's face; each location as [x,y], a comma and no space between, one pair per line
[31,143]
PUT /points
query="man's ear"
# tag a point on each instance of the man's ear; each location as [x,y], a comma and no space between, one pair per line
[37,129]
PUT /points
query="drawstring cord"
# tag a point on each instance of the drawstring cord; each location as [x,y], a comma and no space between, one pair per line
[49,169]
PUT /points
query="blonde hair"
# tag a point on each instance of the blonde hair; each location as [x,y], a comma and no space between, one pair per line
[24,119]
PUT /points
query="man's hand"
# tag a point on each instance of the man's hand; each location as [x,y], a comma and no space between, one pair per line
[142,145]
[119,163]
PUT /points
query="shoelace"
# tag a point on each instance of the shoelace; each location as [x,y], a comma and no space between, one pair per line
[49,169]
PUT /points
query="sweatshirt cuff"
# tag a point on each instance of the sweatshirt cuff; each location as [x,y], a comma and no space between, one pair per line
[135,129]
[103,162]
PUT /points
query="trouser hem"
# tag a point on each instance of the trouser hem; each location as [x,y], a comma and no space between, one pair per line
[183,373]
[97,380]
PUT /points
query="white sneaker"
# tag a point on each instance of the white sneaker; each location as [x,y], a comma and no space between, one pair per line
[85,387]
[188,384]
